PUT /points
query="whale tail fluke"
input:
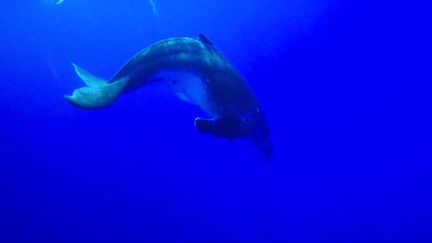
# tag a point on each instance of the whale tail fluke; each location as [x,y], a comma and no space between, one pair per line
[98,93]
[88,78]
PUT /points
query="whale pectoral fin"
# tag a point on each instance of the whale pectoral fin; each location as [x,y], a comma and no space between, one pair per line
[228,127]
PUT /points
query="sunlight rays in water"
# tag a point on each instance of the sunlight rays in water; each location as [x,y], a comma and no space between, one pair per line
[153,6]
[151,2]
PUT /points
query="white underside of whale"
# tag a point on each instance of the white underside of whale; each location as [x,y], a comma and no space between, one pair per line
[188,86]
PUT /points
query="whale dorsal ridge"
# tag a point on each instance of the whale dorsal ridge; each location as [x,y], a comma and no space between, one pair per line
[205,40]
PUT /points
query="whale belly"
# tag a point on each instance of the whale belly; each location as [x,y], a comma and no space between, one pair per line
[188,86]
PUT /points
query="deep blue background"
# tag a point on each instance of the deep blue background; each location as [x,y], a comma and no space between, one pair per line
[346,88]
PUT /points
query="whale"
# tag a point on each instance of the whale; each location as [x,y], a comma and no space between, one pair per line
[198,73]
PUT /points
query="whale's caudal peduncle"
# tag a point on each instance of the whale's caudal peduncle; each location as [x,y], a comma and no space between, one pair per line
[198,73]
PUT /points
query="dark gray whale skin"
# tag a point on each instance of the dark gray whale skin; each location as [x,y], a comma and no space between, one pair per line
[219,89]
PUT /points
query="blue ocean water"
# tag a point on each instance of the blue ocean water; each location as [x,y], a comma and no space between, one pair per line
[345,87]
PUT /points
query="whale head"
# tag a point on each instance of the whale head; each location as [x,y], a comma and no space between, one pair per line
[253,127]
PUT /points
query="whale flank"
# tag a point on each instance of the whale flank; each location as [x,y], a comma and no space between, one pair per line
[198,73]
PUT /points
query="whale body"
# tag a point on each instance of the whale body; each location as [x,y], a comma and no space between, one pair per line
[199,74]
